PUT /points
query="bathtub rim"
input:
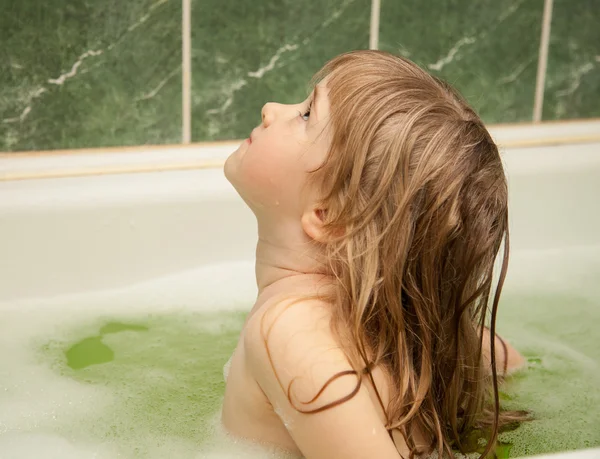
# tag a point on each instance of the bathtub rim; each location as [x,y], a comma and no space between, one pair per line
[208,155]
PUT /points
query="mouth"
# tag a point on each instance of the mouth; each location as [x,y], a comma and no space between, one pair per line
[252,136]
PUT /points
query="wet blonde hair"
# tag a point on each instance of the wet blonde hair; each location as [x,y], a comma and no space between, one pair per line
[416,212]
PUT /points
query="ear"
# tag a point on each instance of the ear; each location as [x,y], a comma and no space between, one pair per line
[313,222]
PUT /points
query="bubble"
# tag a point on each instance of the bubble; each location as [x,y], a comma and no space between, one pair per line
[159,394]
[226,368]
[29,445]
[549,311]
[152,345]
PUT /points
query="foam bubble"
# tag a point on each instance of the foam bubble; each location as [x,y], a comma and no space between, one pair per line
[226,368]
[161,393]
[40,394]
[550,312]
[221,445]
[28,445]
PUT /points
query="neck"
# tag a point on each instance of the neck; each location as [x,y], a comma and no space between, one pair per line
[285,255]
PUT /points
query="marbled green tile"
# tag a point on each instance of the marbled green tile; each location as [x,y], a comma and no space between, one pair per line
[487,49]
[573,76]
[246,53]
[89,73]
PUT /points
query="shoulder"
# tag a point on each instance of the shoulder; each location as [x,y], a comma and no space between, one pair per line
[296,360]
[277,319]
[291,342]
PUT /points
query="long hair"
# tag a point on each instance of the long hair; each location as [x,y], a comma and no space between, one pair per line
[416,210]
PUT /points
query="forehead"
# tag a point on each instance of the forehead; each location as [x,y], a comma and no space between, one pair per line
[321,90]
[321,121]
[320,101]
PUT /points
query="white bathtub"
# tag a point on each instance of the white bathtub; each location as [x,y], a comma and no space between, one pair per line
[99,222]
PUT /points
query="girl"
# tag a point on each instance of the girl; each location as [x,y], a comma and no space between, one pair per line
[381,205]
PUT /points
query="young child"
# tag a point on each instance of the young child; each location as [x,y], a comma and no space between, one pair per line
[381,204]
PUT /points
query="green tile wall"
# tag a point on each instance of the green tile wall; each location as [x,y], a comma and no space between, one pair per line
[487,48]
[97,73]
[89,73]
[246,53]
[573,77]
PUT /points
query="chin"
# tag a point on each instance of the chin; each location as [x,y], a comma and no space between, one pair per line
[231,173]
[230,166]
[232,163]
[226,170]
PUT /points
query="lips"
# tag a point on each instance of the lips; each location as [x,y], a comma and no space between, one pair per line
[252,135]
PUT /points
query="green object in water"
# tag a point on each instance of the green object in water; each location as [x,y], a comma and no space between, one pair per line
[89,351]
[92,351]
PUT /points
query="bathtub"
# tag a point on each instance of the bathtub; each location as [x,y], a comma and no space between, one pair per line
[96,221]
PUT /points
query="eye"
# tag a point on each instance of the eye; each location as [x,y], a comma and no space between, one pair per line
[307,112]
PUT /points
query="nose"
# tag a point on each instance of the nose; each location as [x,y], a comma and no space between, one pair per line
[271,111]
[268,113]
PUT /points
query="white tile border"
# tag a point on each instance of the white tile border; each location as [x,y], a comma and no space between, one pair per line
[540,85]
[71,163]
[374,24]
[186,71]
[548,133]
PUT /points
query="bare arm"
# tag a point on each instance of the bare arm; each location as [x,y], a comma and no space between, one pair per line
[301,351]
[508,359]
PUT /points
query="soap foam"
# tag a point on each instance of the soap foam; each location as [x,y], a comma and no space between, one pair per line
[38,445]
[549,311]
[221,445]
[38,402]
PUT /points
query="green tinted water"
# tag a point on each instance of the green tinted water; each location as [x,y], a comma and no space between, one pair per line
[165,374]
[559,336]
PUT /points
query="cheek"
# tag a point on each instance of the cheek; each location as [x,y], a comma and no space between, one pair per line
[270,173]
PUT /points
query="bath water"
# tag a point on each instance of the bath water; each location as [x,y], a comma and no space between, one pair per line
[138,372]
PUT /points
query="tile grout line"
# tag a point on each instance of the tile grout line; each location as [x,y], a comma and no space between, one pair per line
[186,65]
[540,83]
[374,27]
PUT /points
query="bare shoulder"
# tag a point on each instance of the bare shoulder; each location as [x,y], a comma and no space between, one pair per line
[280,319]
[291,340]
[298,363]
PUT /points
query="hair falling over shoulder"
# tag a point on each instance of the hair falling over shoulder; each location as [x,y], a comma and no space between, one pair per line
[416,200]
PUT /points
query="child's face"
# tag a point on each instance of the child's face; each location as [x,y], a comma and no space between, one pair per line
[270,169]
